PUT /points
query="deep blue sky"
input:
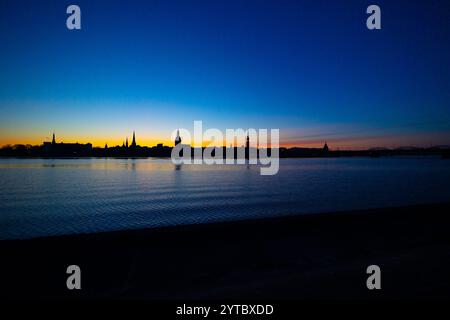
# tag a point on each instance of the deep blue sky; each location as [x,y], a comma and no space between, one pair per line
[310,68]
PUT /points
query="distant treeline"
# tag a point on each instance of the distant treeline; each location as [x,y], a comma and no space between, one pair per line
[86,150]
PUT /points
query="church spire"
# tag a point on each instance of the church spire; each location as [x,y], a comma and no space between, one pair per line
[247,147]
[178,138]
[133,144]
[53,140]
[126,143]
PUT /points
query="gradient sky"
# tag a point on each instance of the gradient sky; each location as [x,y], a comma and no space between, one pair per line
[309,68]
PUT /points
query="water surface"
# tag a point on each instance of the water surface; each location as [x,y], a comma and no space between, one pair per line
[40,197]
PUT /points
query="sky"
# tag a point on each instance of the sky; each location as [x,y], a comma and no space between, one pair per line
[309,68]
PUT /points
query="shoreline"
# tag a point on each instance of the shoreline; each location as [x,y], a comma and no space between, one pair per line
[262,222]
[350,154]
[315,256]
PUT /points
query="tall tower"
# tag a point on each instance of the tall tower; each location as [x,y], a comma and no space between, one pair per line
[133,144]
[247,148]
[126,143]
[53,140]
[178,138]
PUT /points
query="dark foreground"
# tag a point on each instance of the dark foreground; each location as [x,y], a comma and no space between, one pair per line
[304,257]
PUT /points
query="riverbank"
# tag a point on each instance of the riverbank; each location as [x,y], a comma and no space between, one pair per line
[301,257]
[40,152]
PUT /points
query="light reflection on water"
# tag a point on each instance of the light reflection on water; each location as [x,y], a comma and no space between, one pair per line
[62,196]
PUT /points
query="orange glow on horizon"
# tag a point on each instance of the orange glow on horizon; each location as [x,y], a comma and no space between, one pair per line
[343,143]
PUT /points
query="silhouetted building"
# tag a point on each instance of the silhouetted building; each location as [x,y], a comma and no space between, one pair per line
[66,149]
[178,138]
[133,143]
[160,150]
[325,147]
[247,148]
